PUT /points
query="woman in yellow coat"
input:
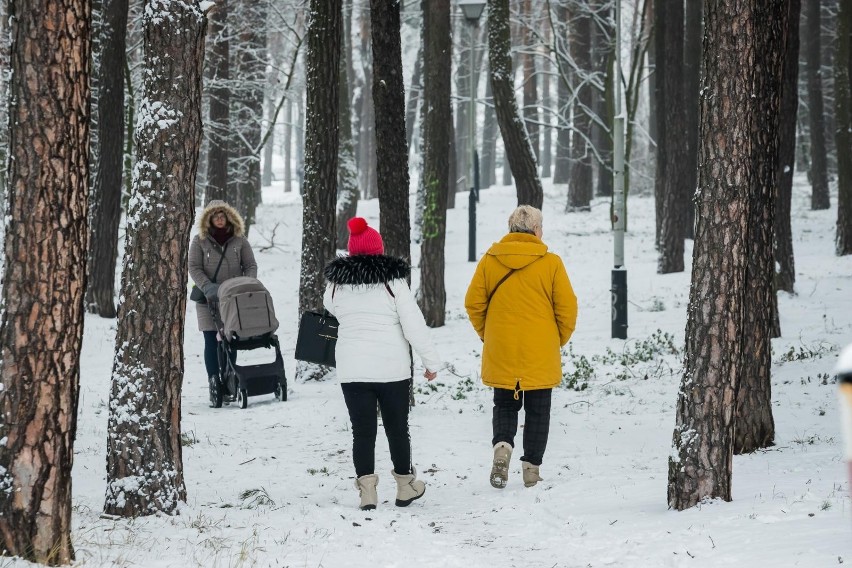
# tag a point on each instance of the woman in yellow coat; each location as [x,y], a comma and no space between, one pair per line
[523,307]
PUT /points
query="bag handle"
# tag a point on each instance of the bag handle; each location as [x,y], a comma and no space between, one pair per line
[218,266]
[512,271]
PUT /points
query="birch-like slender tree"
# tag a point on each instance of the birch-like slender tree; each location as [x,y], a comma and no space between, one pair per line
[144,458]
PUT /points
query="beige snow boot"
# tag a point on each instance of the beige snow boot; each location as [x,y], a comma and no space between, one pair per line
[500,467]
[530,472]
[366,484]
[408,488]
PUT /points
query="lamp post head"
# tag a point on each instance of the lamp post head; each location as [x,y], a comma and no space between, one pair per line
[472,10]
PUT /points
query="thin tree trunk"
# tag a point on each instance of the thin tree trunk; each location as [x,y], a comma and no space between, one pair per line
[391,147]
[580,191]
[692,82]
[432,295]
[288,146]
[519,152]
[414,93]
[347,173]
[219,121]
[45,274]
[562,162]
[843,134]
[144,461]
[546,157]
[321,147]
[530,78]
[785,278]
[816,108]
[603,55]
[453,176]
[672,178]
[106,195]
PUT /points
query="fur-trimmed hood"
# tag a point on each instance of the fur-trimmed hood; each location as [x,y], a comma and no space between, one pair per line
[366,269]
[215,206]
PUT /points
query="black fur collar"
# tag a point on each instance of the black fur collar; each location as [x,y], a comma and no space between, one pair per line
[366,269]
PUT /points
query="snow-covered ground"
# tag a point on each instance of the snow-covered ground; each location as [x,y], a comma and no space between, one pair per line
[272,485]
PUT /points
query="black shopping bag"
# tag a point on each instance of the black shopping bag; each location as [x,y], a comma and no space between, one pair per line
[317,338]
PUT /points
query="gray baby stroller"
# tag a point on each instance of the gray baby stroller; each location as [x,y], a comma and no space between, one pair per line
[245,320]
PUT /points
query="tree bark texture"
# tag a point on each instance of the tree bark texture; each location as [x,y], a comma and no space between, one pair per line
[580,188]
[144,459]
[671,181]
[219,114]
[414,93]
[391,146]
[437,47]
[249,71]
[785,278]
[735,170]
[321,146]
[45,274]
[106,194]
[519,152]
[755,426]
[843,134]
[816,107]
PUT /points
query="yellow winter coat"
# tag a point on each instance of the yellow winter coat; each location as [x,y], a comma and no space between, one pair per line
[529,318]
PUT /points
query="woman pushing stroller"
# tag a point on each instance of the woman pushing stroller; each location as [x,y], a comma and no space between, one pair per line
[219,252]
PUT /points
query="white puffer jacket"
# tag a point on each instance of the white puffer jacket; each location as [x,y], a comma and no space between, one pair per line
[376,327]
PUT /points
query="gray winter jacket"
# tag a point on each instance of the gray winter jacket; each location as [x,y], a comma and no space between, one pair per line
[205,253]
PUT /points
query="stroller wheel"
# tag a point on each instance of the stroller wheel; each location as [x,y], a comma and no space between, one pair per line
[215,392]
[242,398]
[281,391]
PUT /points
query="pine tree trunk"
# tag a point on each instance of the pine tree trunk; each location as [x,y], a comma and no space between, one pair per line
[44,274]
[4,105]
[816,108]
[657,92]
[453,175]
[460,159]
[736,170]
[654,57]
[785,278]
[672,178]
[580,189]
[843,134]
[144,460]
[106,194]
[219,117]
[518,151]
[755,426]
[288,146]
[391,147]
[347,173]
[546,157]
[321,147]
[432,296]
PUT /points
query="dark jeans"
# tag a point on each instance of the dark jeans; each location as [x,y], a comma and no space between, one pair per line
[392,398]
[211,354]
[536,404]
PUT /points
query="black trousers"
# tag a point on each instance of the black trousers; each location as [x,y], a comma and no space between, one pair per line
[392,398]
[536,405]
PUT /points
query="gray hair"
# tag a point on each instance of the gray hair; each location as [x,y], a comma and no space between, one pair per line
[525,219]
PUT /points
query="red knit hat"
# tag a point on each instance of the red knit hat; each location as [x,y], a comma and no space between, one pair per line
[364,239]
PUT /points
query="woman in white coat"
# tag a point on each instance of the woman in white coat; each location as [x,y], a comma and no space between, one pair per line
[369,294]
